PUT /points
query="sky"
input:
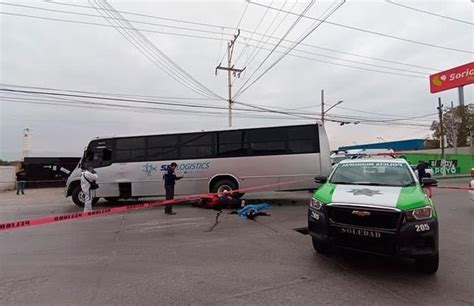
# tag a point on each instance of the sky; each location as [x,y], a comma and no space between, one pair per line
[84,57]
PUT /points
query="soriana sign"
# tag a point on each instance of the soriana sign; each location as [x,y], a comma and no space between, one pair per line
[452,78]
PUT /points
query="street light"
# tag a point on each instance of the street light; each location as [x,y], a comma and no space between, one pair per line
[338,102]
[323,111]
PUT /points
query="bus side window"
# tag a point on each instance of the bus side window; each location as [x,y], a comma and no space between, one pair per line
[107,155]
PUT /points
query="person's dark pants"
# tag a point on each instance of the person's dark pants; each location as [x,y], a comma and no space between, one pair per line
[169,196]
[20,187]
[420,177]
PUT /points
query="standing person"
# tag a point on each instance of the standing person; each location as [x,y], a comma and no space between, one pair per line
[421,168]
[88,186]
[21,180]
[170,179]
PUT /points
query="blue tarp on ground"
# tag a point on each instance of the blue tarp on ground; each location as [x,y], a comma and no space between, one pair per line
[255,207]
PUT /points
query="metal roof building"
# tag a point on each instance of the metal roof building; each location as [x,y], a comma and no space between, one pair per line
[400,145]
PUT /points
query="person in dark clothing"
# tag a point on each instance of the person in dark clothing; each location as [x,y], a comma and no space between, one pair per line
[170,179]
[20,181]
[421,168]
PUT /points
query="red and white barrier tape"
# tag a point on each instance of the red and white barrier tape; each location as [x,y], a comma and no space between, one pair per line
[59,218]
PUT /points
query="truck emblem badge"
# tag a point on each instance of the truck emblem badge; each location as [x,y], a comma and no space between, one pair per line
[365,191]
[361,213]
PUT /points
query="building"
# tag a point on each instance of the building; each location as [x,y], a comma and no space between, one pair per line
[400,145]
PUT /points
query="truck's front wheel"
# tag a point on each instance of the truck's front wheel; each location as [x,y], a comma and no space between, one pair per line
[320,246]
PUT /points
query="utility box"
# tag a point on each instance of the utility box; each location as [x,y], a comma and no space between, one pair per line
[7,178]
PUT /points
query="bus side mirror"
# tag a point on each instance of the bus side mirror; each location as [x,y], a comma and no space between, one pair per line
[320,179]
[429,182]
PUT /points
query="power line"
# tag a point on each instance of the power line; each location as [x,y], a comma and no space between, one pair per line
[220,33]
[236,29]
[372,32]
[186,79]
[106,10]
[106,93]
[106,106]
[154,102]
[106,25]
[266,31]
[300,16]
[313,27]
[83,96]
[140,15]
[429,13]
[267,37]
[256,27]
[219,39]
[350,66]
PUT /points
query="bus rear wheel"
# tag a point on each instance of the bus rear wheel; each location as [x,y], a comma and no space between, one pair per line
[224,185]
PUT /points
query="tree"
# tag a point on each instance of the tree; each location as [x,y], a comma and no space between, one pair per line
[458,125]
[4,163]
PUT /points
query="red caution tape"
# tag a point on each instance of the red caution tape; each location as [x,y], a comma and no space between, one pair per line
[455,188]
[79,215]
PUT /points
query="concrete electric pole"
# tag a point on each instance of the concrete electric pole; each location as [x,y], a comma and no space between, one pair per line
[322,107]
[454,131]
[325,111]
[230,70]
[441,128]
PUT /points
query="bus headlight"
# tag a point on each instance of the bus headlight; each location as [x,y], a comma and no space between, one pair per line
[315,204]
[420,214]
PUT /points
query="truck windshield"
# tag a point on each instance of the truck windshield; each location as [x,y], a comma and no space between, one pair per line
[373,173]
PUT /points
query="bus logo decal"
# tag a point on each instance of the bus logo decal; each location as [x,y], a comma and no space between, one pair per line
[149,168]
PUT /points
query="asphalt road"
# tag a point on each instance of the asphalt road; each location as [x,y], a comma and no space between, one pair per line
[147,258]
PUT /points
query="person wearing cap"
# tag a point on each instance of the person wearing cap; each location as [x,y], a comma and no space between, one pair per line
[170,179]
[88,186]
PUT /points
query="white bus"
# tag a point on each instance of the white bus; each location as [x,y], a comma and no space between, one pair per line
[214,161]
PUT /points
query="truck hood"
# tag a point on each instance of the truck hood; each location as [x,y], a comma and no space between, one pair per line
[391,197]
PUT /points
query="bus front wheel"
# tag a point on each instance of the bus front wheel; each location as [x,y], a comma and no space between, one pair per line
[78,197]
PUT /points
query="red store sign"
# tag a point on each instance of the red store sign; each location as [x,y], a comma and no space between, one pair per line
[452,78]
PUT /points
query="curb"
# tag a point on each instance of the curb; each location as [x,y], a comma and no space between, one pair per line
[452,177]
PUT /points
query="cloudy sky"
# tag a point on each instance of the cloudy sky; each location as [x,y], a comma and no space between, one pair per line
[377,77]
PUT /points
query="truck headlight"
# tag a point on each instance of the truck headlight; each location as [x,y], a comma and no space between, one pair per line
[420,214]
[315,204]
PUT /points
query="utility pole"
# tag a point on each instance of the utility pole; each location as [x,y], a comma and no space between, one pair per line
[322,107]
[324,111]
[461,95]
[441,128]
[454,131]
[230,70]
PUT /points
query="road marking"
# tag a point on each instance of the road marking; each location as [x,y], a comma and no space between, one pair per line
[170,225]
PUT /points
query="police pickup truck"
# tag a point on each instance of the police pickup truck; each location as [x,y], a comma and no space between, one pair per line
[376,206]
